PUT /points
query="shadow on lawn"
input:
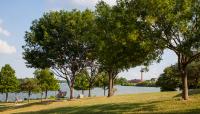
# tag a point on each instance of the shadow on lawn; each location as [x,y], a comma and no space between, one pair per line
[98,109]
[144,108]
[190,92]
[5,107]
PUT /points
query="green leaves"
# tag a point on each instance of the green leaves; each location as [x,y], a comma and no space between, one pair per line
[29,85]
[81,81]
[169,80]
[46,80]
[8,80]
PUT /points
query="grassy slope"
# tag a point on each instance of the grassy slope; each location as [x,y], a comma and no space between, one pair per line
[165,102]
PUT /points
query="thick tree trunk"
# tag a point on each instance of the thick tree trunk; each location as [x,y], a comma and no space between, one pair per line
[46,93]
[110,89]
[182,69]
[6,97]
[89,92]
[184,85]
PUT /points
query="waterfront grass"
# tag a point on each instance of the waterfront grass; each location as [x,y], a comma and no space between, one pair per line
[161,102]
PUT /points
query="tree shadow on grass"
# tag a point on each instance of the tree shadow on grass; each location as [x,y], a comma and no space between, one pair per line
[111,108]
[97,109]
[6,107]
[190,92]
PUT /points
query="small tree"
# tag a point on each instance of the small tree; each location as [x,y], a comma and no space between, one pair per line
[170,79]
[193,71]
[46,81]
[92,67]
[29,85]
[81,81]
[102,81]
[8,80]
[121,81]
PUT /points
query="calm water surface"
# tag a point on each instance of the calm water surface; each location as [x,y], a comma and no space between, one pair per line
[95,92]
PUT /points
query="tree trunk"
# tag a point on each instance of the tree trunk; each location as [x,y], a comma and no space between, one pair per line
[6,97]
[104,90]
[41,96]
[71,91]
[110,89]
[89,92]
[196,81]
[182,70]
[82,91]
[184,85]
[112,83]
[46,93]
[29,94]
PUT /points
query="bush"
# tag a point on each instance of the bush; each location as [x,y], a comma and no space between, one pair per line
[168,83]
[52,97]
[147,83]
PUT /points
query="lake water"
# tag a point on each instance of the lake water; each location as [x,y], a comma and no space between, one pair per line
[94,92]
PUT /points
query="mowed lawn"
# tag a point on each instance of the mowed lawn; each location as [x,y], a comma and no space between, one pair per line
[162,102]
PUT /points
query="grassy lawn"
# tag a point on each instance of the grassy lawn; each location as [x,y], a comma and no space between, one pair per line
[162,102]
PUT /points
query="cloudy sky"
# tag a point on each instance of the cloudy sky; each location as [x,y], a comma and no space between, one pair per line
[16,17]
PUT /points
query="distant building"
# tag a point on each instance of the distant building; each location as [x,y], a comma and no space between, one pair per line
[141,80]
[135,81]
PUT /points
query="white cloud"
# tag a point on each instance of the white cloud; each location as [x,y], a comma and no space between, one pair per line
[5,48]
[4,31]
[1,21]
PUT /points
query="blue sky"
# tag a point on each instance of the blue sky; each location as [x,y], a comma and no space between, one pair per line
[16,17]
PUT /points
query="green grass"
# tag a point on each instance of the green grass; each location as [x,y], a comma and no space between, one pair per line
[156,103]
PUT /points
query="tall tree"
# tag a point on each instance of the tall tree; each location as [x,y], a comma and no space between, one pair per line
[46,81]
[56,41]
[119,46]
[172,24]
[29,85]
[8,80]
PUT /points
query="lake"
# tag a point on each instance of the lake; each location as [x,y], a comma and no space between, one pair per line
[94,92]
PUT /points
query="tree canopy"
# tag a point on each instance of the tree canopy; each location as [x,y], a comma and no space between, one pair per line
[119,44]
[46,81]
[29,85]
[171,24]
[81,81]
[56,40]
[8,80]
[118,37]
